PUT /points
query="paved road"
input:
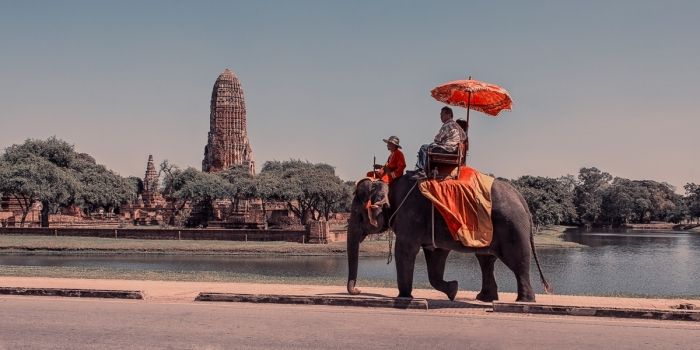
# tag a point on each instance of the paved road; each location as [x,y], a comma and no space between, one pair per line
[66,323]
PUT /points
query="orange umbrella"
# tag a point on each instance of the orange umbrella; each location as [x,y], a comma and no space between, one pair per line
[473,94]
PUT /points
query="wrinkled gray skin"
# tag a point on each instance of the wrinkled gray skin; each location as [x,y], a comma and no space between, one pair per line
[512,237]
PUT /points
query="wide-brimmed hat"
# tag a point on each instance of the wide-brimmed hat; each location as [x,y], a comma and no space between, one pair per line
[393,140]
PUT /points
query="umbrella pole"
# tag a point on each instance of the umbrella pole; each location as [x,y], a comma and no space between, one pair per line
[469,103]
[466,131]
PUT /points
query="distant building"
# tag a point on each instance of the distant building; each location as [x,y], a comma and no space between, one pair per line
[227,144]
[151,196]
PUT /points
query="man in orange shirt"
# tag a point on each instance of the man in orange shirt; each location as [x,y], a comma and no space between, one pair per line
[394,166]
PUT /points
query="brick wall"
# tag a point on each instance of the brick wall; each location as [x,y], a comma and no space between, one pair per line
[193,234]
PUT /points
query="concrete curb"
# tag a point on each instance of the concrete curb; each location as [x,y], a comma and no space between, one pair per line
[653,314]
[67,292]
[397,303]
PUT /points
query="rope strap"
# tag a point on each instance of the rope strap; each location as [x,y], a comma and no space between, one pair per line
[391,235]
[432,222]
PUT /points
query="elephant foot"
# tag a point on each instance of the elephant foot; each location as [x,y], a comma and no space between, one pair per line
[486,297]
[351,288]
[409,296]
[452,288]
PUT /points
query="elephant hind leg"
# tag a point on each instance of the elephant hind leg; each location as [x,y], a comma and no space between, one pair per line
[489,288]
[435,260]
[521,269]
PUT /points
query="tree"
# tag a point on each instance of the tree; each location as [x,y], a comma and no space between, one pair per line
[54,150]
[639,201]
[135,186]
[550,200]
[692,200]
[335,194]
[242,183]
[337,199]
[71,177]
[310,190]
[618,203]
[190,186]
[33,179]
[102,188]
[588,194]
[680,212]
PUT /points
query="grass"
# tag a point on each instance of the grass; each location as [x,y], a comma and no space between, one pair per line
[92,245]
[154,275]
[27,244]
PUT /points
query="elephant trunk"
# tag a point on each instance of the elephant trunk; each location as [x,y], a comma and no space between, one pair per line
[353,251]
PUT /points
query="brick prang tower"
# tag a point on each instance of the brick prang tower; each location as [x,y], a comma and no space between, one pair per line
[227,143]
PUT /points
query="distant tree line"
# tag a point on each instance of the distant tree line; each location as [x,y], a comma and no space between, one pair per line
[597,198]
[53,173]
[310,191]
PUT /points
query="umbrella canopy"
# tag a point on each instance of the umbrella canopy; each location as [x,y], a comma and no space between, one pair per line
[473,94]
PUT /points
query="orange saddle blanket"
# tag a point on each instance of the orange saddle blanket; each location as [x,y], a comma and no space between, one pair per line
[465,204]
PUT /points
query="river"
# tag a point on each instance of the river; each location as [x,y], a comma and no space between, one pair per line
[639,263]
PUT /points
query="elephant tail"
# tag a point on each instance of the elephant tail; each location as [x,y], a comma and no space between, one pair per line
[547,287]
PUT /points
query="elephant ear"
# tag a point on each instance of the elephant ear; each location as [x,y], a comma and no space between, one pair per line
[378,203]
[380,194]
[372,197]
[363,190]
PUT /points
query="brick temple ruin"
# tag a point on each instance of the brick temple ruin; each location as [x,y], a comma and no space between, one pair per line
[227,144]
[149,208]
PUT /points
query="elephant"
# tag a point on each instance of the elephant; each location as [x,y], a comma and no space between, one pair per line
[408,213]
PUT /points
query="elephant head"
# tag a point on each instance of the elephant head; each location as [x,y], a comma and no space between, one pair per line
[368,215]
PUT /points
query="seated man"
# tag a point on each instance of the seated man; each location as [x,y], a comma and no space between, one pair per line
[394,166]
[447,140]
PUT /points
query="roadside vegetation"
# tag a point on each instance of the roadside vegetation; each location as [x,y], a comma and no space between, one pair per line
[596,198]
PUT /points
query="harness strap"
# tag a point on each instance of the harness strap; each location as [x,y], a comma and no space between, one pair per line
[402,202]
[432,222]
[388,260]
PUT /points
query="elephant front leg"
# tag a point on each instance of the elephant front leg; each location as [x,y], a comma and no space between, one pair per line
[489,288]
[405,253]
[435,260]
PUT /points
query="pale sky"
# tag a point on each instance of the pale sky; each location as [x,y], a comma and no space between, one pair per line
[610,84]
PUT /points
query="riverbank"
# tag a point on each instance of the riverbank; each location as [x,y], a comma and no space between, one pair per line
[695,228]
[91,245]
[553,237]
[27,244]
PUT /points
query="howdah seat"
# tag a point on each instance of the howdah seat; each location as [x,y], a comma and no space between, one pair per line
[441,164]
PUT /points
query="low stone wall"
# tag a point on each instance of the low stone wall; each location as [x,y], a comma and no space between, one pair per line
[193,234]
